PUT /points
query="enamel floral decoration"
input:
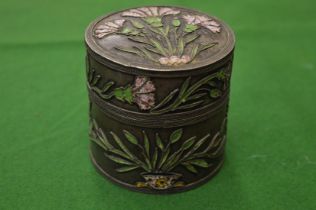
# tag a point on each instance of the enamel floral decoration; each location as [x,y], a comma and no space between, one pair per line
[161,34]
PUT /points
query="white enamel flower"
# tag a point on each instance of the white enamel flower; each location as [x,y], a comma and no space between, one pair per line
[150,11]
[108,28]
[203,21]
[175,60]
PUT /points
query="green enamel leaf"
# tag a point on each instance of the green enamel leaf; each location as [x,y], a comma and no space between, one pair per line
[166,30]
[96,79]
[172,159]
[146,53]
[146,143]
[118,160]
[138,39]
[105,140]
[188,143]
[120,153]
[122,146]
[180,46]
[148,163]
[191,37]
[128,50]
[154,21]
[184,88]
[199,162]
[176,22]
[215,93]
[150,49]
[212,83]
[207,46]
[211,143]
[159,142]
[190,167]
[221,75]
[130,137]
[137,24]
[155,157]
[190,105]
[194,51]
[200,142]
[129,31]
[118,93]
[176,135]
[134,32]
[126,169]
[166,99]
[151,20]
[99,143]
[156,25]
[196,96]
[190,28]
[107,86]
[158,46]
[164,157]
[124,94]
[126,30]
[128,95]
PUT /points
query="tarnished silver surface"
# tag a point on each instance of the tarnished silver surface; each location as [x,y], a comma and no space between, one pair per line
[158,80]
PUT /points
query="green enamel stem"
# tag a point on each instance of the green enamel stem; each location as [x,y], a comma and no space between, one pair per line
[182,99]
[151,44]
[98,143]
[166,99]
[140,41]
[163,154]
[146,157]
[186,156]
[169,50]
[134,160]
[99,92]
[175,35]
[198,84]
[147,54]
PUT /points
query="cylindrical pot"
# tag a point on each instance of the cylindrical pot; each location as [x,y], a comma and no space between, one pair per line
[158,83]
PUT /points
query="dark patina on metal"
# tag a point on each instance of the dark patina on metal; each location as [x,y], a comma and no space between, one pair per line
[158,81]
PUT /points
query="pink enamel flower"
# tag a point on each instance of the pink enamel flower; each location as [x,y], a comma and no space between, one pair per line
[143,93]
[203,21]
[108,28]
[150,11]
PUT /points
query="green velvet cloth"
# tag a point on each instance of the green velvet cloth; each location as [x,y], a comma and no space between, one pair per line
[271,149]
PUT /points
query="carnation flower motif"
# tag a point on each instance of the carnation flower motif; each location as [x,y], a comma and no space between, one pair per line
[150,11]
[108,28]
[203,21]
[175,60]
[143,93]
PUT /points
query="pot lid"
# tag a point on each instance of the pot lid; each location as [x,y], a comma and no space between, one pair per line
[160,38]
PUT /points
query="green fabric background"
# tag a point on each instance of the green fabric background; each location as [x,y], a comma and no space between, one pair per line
[271,150]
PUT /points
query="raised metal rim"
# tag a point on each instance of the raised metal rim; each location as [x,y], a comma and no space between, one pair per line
[158,121]
[91,44]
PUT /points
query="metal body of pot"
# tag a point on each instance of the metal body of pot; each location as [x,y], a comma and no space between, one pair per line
[158,81]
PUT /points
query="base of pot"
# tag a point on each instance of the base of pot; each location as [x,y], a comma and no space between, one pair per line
[153,191]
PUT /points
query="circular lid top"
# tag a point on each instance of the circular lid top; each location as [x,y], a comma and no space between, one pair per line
[160,38]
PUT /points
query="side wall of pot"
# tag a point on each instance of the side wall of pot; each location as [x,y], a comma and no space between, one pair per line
[157,134]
